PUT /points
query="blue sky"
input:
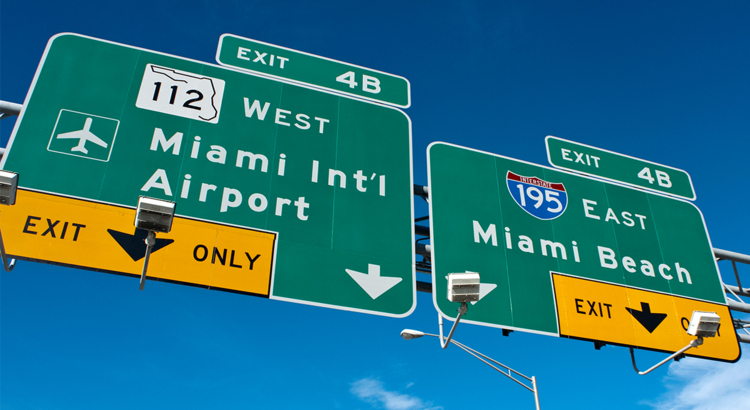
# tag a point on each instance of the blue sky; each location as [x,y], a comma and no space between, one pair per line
[665,82]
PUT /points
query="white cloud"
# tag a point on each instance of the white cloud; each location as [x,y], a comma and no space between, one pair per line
[696,384]
[372,391]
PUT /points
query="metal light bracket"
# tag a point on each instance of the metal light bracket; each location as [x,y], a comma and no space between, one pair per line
[152,215]
[702,324]
[461,311]
[8,188]
[676,355]
[462,287]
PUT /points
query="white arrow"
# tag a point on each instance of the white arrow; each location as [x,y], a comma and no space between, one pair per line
[484,289]
[374,284]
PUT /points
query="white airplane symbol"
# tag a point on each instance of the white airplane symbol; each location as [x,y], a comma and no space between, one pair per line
[83,136]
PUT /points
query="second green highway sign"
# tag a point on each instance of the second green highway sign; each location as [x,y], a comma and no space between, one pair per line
[514,223]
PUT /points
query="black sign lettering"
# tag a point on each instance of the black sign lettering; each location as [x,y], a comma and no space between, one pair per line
[29,224]
[591,308]
[222,257]
[231,261]
[78,229]
[579,305]
[252,260]
[205,253]
[50,228]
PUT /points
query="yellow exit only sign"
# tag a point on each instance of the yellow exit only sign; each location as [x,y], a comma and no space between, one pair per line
[617,314]
[89,235]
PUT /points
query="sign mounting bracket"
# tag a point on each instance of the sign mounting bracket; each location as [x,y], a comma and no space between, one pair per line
[8,188]
[153,215]
[695,343]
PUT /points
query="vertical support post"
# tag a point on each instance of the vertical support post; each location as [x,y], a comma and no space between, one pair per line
[8,189]
[150,241]
[6,264]
[153,215]
[736,275]
[536,392]
[445,341]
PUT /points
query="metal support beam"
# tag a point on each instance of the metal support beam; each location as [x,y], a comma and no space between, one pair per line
[425,287]
[744,338]
[461,311]
[695,343]
[422,230]
[424,250]
[737,291]
[8,263]
[8,108]
[409,334]
[423,191]
[731,256]
[737,276]
[738,306]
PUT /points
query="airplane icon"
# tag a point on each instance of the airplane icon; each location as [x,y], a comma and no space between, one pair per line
[83,136]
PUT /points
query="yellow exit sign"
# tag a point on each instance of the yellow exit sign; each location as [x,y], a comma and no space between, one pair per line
[89,235]
[617,314]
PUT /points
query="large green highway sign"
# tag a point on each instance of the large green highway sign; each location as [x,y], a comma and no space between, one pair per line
[330,175]
[566,255]
[305,68]
[616,167]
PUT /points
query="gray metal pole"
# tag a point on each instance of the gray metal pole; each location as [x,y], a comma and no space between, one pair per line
[9,108]
[484,358]
[739,307]
[424,250]
[536,392]
[423,191]
[150,242]
[732,256]
[461,311]
[7,264]
[737,291]
[695,343]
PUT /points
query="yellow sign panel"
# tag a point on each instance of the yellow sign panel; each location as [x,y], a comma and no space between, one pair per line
[89,235]
[588,309]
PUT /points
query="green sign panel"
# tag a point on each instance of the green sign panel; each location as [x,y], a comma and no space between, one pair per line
[618,167]
[331,175]
[515,223]
[317,71]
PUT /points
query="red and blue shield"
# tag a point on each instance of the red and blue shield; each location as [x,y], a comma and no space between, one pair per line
[541,199]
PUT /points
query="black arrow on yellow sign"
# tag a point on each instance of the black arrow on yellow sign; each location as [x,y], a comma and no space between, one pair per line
[646,318]
[134,244]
